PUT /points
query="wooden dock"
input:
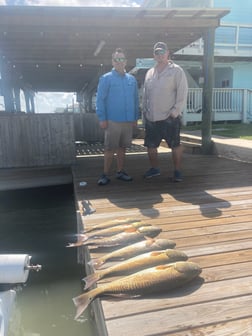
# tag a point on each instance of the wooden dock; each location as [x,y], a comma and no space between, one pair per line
[208,215]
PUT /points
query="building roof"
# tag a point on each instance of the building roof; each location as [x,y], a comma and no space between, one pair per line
[67,48]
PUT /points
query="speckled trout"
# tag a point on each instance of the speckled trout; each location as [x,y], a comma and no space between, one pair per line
[126,237]
[110,231]
[156,279]
[132,250]
[111,223]
[136,264]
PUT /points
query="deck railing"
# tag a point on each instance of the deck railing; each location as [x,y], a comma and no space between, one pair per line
[227,105]
[230,40]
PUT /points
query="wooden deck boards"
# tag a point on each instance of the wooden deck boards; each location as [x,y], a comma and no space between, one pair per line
[209,216]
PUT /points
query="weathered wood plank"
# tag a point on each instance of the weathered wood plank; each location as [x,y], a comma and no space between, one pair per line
[168,321]
[209,217]
[30,140]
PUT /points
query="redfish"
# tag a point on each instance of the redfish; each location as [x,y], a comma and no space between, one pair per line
[111,230]
[111,223]
[126,237]
[132,250]
[136,264]
[161,278]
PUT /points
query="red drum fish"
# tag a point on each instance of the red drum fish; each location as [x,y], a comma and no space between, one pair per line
[132,250]
[126,237]
[110,231]
[136,264]
[111,223]
[162,278]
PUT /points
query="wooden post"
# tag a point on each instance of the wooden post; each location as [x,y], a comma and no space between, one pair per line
[7,89]
[208,74]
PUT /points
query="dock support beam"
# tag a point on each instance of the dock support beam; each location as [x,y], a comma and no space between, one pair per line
[208,74]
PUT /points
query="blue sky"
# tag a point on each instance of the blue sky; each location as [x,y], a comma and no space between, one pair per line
[44,101]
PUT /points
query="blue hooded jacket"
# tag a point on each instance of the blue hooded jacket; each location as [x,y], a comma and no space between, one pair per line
[117,97]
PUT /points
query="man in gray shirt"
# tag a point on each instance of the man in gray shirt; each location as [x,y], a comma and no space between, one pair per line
[164,98]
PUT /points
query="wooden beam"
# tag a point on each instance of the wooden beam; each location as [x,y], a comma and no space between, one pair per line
[208,74]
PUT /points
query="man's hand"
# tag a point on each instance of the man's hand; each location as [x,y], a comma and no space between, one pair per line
[104,124]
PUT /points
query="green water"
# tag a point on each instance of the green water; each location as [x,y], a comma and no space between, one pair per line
[40,222]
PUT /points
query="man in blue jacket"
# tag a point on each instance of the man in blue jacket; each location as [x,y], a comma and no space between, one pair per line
[117,108]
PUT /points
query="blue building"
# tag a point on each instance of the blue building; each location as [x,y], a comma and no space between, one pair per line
[233,43]
[232,56]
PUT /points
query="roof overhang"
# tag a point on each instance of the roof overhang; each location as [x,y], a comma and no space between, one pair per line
[67,48]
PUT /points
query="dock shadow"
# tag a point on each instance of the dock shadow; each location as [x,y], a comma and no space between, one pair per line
[209,205]
[181,291]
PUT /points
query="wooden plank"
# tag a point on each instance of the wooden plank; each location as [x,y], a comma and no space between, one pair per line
[164,320]
[209,218]
[30,140]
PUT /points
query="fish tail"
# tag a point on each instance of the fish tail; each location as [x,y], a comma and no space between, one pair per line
[90,280]
[96,263]
[81,302]
[80,241]
[82,237]
[75,244]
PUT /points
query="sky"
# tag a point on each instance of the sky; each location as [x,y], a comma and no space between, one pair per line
[45,101]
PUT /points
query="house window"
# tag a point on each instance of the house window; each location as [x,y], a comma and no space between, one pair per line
[225,83]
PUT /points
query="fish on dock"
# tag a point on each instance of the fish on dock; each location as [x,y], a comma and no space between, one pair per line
[132,250]
[110,231]
[162,278]
[126,237]
[111,223]
[136,264]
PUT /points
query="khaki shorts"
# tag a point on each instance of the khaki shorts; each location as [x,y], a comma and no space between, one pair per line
[118,134]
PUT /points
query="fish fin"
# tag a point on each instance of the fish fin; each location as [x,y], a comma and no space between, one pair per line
[149,241]
[96,263]
[90,280]
[146,238]
[81,302]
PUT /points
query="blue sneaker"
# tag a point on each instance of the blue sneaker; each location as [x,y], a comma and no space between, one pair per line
[152,172]
[122,175]
[103,180]
[177,176]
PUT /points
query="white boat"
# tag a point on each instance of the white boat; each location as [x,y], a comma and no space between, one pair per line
[14,270]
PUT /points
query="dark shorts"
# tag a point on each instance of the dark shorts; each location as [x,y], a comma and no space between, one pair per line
[168,129]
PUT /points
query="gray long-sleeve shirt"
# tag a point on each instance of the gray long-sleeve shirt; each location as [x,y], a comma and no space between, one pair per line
[164,93]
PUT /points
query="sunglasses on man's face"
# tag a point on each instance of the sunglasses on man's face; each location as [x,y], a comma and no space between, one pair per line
[119,59]
[159,52]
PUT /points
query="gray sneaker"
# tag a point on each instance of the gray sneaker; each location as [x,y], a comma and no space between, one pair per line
[103,180]
[122,175]
[177,176]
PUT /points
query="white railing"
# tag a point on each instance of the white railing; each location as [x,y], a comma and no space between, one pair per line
[227,105]
[230,40]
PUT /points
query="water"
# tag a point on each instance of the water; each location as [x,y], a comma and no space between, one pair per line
[40,222]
